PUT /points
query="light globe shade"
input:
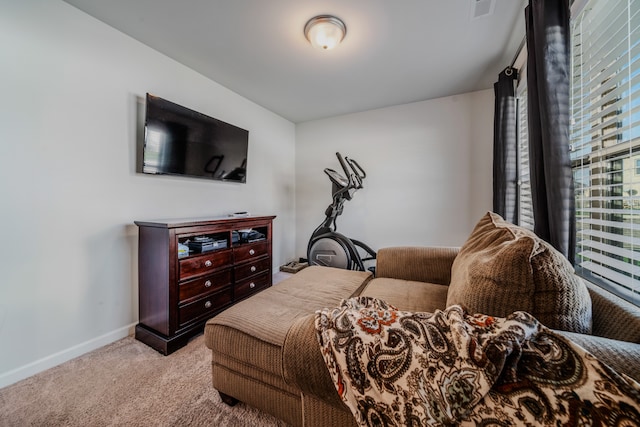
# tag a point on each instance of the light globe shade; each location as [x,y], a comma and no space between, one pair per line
[325,32]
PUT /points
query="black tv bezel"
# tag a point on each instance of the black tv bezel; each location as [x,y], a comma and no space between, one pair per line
[201,117]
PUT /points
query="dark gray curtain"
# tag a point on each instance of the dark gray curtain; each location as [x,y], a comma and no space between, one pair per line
[505,147]
[548,73]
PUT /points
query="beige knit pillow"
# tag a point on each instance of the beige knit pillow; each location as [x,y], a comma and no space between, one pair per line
[504,268]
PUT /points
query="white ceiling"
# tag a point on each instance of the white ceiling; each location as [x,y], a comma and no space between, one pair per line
[395,51]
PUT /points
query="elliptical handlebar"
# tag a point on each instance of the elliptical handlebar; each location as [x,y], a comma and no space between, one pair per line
[345,168]
[357,169]
[353,171]
[357,172]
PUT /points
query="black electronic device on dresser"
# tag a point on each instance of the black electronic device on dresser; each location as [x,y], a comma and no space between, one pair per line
[180,290]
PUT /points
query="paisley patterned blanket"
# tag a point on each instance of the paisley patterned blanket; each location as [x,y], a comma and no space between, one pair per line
[395,368]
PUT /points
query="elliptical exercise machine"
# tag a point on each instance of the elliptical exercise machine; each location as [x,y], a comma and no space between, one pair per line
[327,247]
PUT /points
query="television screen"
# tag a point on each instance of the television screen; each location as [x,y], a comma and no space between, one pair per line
[180,141]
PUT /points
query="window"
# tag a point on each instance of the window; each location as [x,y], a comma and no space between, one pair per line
[605,143]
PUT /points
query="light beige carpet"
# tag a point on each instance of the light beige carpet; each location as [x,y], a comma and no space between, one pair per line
[127,383]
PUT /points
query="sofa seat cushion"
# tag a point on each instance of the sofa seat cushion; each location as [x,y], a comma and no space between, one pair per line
[504,268]
[253,331]
[407,295]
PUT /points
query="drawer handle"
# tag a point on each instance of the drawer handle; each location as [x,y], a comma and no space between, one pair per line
[252,252]
[252,285]
[207,304]
[207,284]
[208,263]
[253,268]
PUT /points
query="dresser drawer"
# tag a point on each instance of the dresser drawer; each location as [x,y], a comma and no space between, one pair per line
[252,268]
[204,264]
[204,285]
[250,251]
[204,306]
[249,286]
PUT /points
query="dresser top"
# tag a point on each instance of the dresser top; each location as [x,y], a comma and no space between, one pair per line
[192,222]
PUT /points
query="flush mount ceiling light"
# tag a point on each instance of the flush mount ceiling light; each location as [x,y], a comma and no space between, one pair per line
[325,31]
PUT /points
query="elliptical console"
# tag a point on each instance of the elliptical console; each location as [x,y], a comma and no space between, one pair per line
[327,247]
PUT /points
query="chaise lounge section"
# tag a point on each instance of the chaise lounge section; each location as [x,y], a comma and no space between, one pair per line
[246,340]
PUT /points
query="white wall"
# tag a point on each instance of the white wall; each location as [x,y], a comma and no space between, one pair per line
[71,89]
[428,164]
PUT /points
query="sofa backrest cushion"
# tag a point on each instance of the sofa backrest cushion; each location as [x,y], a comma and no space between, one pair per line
[504,268]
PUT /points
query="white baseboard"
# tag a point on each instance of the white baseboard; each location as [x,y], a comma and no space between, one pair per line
[55,359]
[279,276]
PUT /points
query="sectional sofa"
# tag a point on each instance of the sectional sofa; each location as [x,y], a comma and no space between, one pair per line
[265,353]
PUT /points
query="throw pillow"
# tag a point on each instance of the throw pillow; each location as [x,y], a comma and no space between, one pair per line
[503,268]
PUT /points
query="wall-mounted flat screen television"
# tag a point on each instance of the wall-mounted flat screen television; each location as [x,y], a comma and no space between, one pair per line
[180,141]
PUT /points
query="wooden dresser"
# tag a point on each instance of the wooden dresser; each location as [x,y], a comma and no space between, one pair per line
[179,290]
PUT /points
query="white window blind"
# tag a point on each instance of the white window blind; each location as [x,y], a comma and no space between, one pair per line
[525,206]
[605,143]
